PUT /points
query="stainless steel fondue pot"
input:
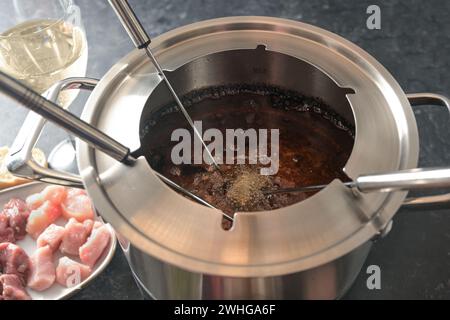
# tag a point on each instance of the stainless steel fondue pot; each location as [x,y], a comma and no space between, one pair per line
[176,248]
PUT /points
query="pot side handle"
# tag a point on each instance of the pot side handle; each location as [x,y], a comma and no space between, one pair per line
[435,201]
[20,162]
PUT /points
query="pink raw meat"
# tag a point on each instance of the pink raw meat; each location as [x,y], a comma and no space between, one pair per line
[54,194]
[17,212]
[42,217]
[11,288]
[34,201]
[91,251]
[52,237]
[77,205]
[70,273]
[6,232]
[75,236]
[14,260]
[16,203]
[43,271]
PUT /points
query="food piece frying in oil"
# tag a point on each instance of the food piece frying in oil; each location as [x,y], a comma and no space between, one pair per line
[246,188]
[314,145]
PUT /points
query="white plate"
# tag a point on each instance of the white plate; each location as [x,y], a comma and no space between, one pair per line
[56,291]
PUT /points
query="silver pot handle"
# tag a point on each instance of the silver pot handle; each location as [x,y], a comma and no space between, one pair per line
[20,162]
[435,201]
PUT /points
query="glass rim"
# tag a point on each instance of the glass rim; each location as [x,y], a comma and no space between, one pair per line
[67,13]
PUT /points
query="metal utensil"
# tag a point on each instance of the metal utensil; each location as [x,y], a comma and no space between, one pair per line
[63,156]
[51,111]
[190,194]
[141,40]
[79,128]
[400,180]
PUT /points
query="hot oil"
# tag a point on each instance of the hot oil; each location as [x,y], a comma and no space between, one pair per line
[314,145]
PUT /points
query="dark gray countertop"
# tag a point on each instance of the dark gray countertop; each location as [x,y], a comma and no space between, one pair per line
[413,44]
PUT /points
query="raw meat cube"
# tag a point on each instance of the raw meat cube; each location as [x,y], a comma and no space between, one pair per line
[4,220]
[52,237]
[42,271]
[7,235]
[77,205]
[91,251]
[34,201]
[70,273]
[14,260]
[17,212]
[11,288]
[6,232]
[54,194]
[75,236]
[42,217]
[16,203]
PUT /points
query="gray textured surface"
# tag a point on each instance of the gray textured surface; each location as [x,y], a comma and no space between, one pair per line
[413,44]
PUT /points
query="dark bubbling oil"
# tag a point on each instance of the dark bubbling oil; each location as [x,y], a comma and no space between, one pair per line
[314,145]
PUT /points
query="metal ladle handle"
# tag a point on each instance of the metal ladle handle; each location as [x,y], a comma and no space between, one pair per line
[52,112]
[20,161]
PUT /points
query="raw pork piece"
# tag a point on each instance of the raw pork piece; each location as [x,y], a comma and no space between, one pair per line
[17,212]
[91,251]
[54,194]
[16,203]
[77,205]
[6,232]
[34,201]
[75,236]
[70,273]
[14,260]
[42,271]
[52,237]
[42,217]
[11,288]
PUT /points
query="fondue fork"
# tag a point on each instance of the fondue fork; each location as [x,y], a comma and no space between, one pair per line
[412,179]
[79,128]
[141,40]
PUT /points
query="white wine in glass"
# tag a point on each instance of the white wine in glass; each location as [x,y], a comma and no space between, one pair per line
[41,43]
[41,51]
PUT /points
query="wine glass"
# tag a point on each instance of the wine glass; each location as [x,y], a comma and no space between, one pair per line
[41,43]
